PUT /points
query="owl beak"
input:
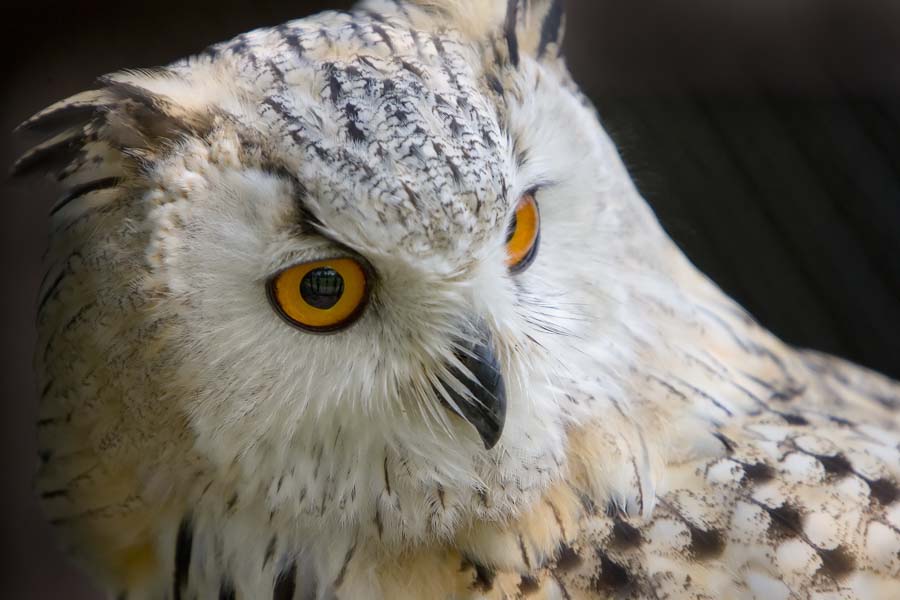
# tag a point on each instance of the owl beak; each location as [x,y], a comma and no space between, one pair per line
[485,405]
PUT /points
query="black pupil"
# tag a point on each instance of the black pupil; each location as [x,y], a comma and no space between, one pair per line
[322,287]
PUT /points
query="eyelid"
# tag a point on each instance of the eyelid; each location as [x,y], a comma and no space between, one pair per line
[321,248]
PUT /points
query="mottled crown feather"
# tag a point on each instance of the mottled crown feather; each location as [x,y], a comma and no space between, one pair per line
[534,27]
[132,113]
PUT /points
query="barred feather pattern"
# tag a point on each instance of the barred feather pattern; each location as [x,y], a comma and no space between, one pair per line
[660,443]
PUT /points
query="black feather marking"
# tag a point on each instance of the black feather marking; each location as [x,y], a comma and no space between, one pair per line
[551,27]
[562,587]
[495,84]
[884,491]
[729,445]
[292,39]
[786,521]
[270,551]
[83,189]
[454,170]
[796,420]
[788,393]
[276,72]
[334,85]
[706,544]
[379,525]
[184,543]
[558,519]
[567,559]
[49,495]
[47,387]
[226,591]
[528,585]
[128,91]
[377,17]
[286,584]
[625,535]
[837,563]
[512,42]
[837,466]
[612,577]
[484,576]
[890,403]
[78,316]
[413,69]
[401,7]
[524,552]
[758,473]
[355,133]
[383,35]
[152,114]
[52,289]
[64,116]
[387,478]
[339,580]
[51,157]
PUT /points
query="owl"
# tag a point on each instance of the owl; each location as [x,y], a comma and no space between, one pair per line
[366,306]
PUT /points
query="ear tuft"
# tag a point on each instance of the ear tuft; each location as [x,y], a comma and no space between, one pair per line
[534,27]
[66,113]
[92,132]
[154,117]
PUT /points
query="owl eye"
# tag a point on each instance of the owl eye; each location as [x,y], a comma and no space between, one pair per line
[321,296]
[524,235]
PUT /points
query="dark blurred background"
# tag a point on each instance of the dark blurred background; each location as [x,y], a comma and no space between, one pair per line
[765,133]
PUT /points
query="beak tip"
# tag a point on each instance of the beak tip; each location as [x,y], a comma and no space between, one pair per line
[484,407]
[490,442]
[490,425]
[485,410]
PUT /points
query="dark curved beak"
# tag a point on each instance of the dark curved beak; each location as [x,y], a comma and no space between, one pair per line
[485,409]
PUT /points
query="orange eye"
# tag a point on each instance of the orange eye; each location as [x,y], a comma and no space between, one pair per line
[524,235]
[321,296]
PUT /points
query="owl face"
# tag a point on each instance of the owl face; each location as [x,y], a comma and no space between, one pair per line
[409,243]
[363,243]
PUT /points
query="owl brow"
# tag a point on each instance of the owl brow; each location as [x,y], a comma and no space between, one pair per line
[307,220]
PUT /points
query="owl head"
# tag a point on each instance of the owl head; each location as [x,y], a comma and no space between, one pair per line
[361,249]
